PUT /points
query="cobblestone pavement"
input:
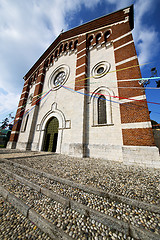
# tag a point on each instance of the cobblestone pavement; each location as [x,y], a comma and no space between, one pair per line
[13,225]
[76,225]
[134,215]
[129,181]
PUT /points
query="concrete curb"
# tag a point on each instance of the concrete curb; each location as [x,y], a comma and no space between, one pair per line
[64,201]
[30,156]
[140,234]
[46,226]
[22,207]
[119,225]
[135,203]
[109,221]
[33,216]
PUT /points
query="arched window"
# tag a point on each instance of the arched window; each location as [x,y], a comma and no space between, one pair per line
[90,40]
[65,47]
[102,119]
[102,106]
[98,37]
[106,36]
[75,44]
[61,48]
[70,45]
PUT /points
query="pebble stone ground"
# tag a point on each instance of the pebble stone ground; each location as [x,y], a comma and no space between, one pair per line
[130,181]
[133,215]
[13,225]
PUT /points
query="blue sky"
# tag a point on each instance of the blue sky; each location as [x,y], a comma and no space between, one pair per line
[27,28]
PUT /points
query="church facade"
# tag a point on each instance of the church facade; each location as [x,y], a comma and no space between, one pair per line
[82,97]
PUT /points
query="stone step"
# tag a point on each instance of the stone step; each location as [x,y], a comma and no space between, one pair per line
[53,217]
[132,182]
[46,226]
[14,225]
[76,190]
[94,215]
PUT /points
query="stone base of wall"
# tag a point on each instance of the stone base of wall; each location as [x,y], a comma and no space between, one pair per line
[76,150]
[130,155]
[35,147]
[142,156]
[108,152]
[11,145]
[21,145]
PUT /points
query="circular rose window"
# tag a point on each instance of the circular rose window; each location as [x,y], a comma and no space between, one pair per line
[59,77]
[100,69]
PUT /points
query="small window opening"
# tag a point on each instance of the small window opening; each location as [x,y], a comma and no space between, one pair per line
[70,45]
[90,41]
[46,63]
[61,48]
[75,44]
[65,47]
[56,53]
[25,126]
[51,59]
[98,37]
[106,36]
[100,70]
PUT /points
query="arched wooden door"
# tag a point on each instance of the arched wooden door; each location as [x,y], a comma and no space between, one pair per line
[51,135]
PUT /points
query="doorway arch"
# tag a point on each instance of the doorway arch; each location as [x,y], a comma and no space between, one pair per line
[53,113]
[51,135]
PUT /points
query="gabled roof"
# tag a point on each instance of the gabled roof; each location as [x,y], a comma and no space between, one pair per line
[92,25]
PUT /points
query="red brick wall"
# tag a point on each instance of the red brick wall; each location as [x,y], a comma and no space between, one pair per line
[138,137]
[135,111]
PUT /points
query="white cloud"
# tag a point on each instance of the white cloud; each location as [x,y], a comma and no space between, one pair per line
[148,45]
[145,37]
[27,28]
[120,3]
[8,102]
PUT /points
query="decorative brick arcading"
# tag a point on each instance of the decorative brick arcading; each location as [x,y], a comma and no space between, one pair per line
[127,68]
[81,65]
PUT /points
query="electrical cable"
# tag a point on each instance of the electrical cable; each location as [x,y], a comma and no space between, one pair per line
[128,104]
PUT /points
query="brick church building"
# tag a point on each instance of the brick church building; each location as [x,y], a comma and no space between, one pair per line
[81,97]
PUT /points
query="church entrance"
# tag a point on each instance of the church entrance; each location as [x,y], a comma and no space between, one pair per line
[51,135]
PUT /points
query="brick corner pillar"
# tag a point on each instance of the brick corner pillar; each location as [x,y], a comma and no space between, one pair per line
[35,103]
[39,84]
[81,65]
[19,115]
[135,119]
